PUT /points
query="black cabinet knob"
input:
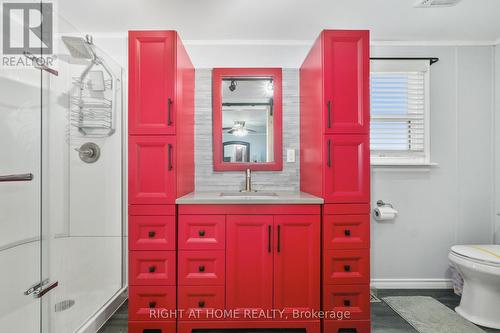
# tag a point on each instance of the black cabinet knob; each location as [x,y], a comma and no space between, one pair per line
[201,268]
[201,233]
[152,269]
[347,232]
[151,234]
[201,304]
[347,302]
[347,268]
[152,304]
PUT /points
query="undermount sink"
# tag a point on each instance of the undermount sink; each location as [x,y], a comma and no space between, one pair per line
[254,195]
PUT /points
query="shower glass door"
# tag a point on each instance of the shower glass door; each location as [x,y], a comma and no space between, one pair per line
[20,199]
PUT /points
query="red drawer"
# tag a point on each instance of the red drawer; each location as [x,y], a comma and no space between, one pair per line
[151,233]
[196,300]
[151,210]
[150,303]
[201,267]
[343,209]
[347,326]
[202,232]
[151,327]
[152,268]
[352,300]
[346,266]
[346,232]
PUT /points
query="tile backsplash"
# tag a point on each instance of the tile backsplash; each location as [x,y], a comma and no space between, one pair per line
[209,180]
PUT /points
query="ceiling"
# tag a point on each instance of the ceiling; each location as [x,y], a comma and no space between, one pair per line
[288,20]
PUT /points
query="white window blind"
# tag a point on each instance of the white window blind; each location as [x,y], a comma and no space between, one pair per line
[399,128]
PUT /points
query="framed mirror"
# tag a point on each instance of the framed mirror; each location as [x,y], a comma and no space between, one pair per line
[247,119]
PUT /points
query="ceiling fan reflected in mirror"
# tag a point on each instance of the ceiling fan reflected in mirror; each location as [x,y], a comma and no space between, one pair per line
[238,129]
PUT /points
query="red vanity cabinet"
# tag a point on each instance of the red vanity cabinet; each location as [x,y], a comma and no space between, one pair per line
[160,169]
[272,261]
[249,256]
[335,165]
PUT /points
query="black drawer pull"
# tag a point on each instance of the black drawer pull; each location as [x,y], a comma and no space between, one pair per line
[152,305]
[201,304]
[151,234]
[201,268]
[348,330]
[347,268]
[152,269]
[152,330]
[201,233]
[347,302]
[347,232]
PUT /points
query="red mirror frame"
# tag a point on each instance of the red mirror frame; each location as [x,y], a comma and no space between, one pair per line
[217,75]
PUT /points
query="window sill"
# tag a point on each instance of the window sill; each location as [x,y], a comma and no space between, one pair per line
[398,166]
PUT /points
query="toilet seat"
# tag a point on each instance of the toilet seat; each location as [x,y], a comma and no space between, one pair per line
[483,254]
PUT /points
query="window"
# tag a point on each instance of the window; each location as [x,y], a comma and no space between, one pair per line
[399,119]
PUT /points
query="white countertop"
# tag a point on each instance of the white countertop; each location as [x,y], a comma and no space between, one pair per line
[235,198]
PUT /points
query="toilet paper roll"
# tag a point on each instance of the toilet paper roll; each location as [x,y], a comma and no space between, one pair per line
[384,213]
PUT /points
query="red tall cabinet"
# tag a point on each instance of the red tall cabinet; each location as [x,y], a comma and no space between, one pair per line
[335,165]
[160,169]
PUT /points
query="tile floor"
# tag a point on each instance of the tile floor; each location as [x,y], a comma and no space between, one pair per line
[384,319]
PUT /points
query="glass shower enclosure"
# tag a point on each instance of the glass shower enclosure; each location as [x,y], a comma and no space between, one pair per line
[62,236]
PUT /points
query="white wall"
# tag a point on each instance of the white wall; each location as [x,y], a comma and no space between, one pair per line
[497,143]
[452,203]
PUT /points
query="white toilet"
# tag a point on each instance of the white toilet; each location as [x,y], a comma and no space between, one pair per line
[479,266]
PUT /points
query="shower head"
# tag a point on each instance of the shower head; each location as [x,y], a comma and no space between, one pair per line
[79,48]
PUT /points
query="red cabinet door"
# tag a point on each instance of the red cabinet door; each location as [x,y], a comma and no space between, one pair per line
[346,72]
[151,170]
[347,169]
[249,262]
[151,82]
[297,262]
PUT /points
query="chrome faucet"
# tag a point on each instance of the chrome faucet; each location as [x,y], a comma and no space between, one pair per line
[248,181]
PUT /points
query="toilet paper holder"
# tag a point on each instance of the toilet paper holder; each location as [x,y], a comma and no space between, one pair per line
[381,203]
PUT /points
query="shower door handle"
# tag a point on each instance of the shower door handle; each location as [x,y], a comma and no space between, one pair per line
[38,293]
[22,177]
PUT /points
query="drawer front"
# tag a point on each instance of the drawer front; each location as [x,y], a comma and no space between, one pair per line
[346,209]
[197,300]
[346,266]
[152,268]
[346,232]
[201,267]
[151,210]
[347,326]
[202,232]
[151,233]
[151,327]
[150,303]
[352,300]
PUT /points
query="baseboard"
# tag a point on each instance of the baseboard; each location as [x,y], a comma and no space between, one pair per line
[411,284]
[101,317]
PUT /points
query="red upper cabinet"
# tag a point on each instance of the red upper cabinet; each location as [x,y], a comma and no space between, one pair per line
[335,117]
[161,118]
[249,262]
[151,170]
[347,169]
[297,249]
[152,82]
[346,81]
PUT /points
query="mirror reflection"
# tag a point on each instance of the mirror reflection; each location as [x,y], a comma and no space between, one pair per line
[247,119]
